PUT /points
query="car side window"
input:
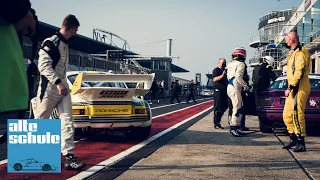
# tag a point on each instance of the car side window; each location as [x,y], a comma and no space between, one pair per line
[279,85]
[315,83]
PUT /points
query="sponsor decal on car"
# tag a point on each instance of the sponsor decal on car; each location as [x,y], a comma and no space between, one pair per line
[112,110]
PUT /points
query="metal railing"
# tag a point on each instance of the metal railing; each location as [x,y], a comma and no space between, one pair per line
[80,61]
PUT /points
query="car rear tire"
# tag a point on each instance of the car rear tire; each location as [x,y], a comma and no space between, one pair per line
[140,133]
[264,128]
[17,166]
[46,167]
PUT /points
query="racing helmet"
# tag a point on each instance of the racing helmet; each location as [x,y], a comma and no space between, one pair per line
[239,54]
[269,60]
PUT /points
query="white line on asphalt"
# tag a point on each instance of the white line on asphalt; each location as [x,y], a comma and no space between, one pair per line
[122,155]
[157,107]
[5,161]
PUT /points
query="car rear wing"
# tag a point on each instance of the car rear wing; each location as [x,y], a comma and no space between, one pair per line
[143,83]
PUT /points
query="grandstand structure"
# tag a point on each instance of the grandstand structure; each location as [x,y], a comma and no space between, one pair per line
[83,50]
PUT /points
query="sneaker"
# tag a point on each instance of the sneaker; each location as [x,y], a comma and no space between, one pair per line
[243,128]
[71,163]
[301,146]
[218,126]
[234,133]
[240,131]
[292,142]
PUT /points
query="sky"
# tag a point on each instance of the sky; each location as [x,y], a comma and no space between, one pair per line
[202,31]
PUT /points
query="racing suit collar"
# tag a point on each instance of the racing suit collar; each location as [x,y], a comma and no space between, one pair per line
[62,38]
[298,46]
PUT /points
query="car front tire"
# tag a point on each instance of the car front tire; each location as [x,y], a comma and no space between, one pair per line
[265,128]
[17,166]
[140,133]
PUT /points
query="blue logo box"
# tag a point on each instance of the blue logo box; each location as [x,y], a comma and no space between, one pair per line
[34,146]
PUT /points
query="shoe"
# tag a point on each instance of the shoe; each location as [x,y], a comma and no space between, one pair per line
[218,126]
[71,163]
[301,147]
[234,132]
[243,128]
[195,101]
[158,101]
[292,142]
[150,103]
[3,138]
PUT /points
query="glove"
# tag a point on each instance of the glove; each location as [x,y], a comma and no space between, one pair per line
[246,88]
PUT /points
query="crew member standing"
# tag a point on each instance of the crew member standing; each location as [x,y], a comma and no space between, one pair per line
[299,63]
[16,19]
[190,92]
[236,85]
[262,76]
[175,90]
[154,91]
[53,91]
[220,96]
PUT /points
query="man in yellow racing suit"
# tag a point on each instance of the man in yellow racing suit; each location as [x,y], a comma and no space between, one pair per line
[298,69]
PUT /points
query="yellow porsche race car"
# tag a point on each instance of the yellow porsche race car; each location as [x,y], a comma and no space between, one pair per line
[103,100]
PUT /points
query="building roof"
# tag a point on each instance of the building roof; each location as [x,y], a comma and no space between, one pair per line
[79,42]
[177,69]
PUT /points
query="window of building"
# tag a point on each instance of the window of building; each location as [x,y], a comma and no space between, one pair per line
[307,27]
[315,16]
[161,65]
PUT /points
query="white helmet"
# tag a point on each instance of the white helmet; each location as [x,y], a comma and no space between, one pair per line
[269,60]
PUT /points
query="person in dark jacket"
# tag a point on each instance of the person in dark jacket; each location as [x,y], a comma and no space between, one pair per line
[262,76]
[175,91]
[220,96]
[154,91]
[32,74]
[190,92]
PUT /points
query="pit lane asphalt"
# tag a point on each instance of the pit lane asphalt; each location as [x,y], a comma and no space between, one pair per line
[163,107]
[202,152]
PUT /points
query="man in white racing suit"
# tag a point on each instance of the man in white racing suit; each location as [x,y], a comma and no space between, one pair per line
[236,84]
[53,91]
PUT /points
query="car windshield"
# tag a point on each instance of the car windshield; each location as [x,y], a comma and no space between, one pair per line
[282,84]
[98,84]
